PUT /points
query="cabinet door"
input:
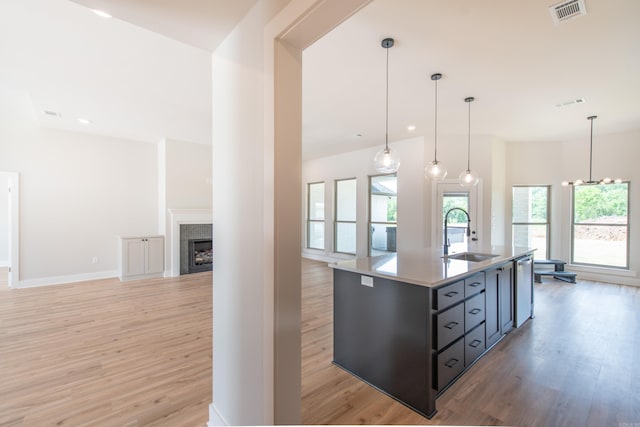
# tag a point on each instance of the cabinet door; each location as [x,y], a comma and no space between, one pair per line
[506,298]
[134,257]
[492,300]
[155,255]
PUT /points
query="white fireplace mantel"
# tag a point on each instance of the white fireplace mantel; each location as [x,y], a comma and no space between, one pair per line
[178,217]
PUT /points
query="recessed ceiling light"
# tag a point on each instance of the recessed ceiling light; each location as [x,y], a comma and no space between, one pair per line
[84,121]
[411,127]
[101,13]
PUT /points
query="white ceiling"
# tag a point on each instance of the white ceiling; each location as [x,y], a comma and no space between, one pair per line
[130,82]
[152,80]
[199,23]
[508,54]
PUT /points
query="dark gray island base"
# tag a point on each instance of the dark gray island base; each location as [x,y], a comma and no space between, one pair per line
[412,340]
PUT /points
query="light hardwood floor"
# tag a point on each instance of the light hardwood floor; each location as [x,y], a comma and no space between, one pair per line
[106,353]
[576,364]
[109,354]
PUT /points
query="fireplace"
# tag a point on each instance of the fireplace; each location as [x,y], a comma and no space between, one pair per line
[196,248]
[200,255]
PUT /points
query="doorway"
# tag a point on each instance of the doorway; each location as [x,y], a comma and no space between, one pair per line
[448,194]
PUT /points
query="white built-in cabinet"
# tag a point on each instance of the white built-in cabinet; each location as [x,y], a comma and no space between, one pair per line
[140,257]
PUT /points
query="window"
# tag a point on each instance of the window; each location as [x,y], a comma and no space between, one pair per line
[315,215]
[601,225]
[530,218]
[383,206]
[345,231]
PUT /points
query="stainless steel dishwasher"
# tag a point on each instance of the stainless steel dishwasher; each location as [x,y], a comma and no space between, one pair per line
[524,290]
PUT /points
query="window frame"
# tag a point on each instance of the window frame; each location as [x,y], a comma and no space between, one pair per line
[627,225]
[369,222]
[314,221]
[339,221]
[547,223]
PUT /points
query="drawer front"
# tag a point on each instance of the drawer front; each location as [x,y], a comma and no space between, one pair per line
[474,311]
[449,364]
[449,325]
[474,284]
[474,344]
[449,295]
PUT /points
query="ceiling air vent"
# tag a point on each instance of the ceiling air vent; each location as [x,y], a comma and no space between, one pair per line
[51,113]
[571,102]
[566,10]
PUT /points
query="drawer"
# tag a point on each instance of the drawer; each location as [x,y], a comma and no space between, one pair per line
[474,311]
[448,295]
[449,325]
[474,344]
[449,364]
[474,284]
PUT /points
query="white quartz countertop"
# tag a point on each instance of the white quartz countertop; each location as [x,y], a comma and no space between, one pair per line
[428,267]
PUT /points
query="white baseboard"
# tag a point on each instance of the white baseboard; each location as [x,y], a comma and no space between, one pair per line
[616,280]
[72,278]
[4,263]
[215,419]
[604,274]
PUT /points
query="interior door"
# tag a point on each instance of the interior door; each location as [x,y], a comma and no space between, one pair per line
[449,194]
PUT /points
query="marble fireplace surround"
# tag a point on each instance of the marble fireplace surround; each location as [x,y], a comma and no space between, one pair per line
[178,217]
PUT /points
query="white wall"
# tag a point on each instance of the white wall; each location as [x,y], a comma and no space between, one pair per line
[452,151]
[188,175]
[257,103]
[415,210]
[184,182]
[550,163]
[242,319]
[498,192]
[78,192]
[359,164]
[4,220]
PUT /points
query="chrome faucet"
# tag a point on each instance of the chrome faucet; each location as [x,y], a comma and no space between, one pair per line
[445,247]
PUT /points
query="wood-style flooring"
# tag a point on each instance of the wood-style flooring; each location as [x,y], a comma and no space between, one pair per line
[106,353]
[576,364]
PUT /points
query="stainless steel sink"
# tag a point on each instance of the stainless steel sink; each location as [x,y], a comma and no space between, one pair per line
[471,256]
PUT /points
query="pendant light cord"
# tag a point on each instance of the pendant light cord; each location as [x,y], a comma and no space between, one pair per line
[469,141]
[435,131]
[386,130]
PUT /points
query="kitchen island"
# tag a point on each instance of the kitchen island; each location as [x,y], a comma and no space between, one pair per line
[411,323]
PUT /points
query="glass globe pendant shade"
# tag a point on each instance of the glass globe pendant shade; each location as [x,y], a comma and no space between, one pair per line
[386,161]
[468,178]
[435,171]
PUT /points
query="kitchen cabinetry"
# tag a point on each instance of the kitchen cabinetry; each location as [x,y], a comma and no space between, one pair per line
[411,324]
[380,332]
[140,257]
[499,302]
[506,298]
[492,298]
[459,329]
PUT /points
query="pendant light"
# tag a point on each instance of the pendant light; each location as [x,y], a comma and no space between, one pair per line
[386,161]
[591,181]
[466,177]
[435,170]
